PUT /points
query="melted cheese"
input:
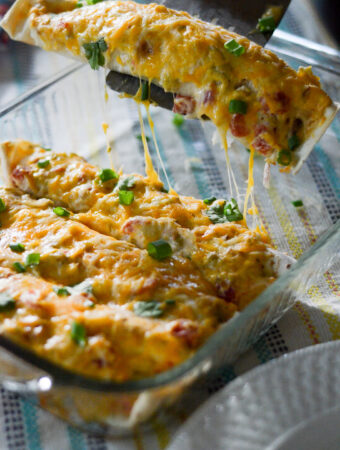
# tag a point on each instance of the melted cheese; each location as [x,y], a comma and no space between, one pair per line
[152,128]
[149,168]
[186,56]
[213,271]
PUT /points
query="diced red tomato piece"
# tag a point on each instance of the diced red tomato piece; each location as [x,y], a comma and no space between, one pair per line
[184,104]
[283,100]
[186,331]
[262,146]
[238,125]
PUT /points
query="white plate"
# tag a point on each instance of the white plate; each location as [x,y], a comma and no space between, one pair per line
[290,403]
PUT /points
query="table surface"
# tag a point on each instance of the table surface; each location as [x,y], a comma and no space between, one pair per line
[312,320]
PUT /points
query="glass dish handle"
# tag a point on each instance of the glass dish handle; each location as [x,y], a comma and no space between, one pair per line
[304,50]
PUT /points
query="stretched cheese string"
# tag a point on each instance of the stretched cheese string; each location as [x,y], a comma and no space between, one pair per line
[106,126]
[231,176]
[149,168]
[250,185]
[253,210]
[152,128]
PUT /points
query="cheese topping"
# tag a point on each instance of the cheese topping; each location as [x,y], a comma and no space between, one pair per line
[156,271]
[258,97]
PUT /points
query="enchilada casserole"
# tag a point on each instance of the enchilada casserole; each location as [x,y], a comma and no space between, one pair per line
[109,275]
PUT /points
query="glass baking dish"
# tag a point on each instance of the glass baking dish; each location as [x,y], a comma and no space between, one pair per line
[66,114]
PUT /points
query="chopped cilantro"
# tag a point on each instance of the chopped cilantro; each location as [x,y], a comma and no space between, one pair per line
[94,53]
[232,212]
[216,213]
[152,308]
[225,212]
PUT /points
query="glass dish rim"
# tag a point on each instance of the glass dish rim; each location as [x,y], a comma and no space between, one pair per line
[66,378]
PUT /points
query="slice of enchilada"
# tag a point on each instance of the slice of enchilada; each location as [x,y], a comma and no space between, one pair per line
[234,259]
[103,341]
[212,72]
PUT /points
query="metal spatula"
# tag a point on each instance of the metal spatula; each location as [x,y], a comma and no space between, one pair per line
[241,16]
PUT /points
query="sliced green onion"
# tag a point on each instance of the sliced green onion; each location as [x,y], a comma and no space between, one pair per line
[3,206]
[7,303]
[297,203]
[126,197]
[18,248]
[170,302]
[61,291]
[234,47]
[238,107]
[107,175]
[293,142]
[178,120]
[47,149]
[139,137]
[18,267]
[145,91]
[160,249]
[284,158]
[43,163]
[33,259]
[266,24]
[151,308]
[61,212]
[78,333]
[209,201]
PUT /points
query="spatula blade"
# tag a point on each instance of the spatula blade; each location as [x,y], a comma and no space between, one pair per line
[240,16]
